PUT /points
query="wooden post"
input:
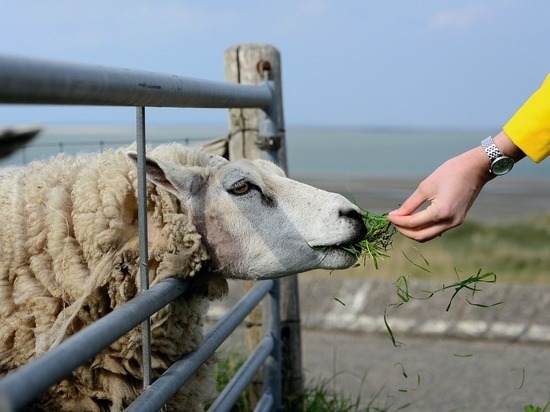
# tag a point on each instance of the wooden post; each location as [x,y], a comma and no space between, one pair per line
[250,64]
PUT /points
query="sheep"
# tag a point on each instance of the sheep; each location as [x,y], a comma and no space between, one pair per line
[70,253]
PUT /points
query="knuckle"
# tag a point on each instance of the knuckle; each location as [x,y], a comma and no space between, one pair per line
[445,214]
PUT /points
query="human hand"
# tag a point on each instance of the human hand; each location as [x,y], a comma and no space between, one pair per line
[450,191]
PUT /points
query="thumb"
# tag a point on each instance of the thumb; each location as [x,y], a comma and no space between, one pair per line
[410,205]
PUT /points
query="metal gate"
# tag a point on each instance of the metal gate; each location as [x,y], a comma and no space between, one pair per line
[34,81]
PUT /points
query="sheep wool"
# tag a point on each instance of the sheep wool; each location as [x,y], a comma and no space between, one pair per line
[70,255]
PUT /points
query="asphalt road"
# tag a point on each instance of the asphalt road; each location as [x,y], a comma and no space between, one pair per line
[429,374]
[467,359]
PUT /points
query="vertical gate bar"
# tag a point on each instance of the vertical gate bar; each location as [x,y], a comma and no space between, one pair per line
[273,365]
[269,128]
[143,241]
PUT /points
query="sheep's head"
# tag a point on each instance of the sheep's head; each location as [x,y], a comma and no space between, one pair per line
[256,223]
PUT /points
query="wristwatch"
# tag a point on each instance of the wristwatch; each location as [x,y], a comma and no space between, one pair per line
[500,164]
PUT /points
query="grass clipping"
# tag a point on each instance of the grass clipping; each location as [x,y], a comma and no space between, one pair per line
[377,241]
[376,244]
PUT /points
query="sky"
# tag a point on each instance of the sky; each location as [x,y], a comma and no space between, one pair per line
[348,63]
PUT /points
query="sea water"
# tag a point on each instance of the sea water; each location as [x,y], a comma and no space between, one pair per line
[337,152]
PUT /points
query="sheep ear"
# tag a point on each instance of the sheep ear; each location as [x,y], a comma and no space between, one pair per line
[216,160]
[181,181]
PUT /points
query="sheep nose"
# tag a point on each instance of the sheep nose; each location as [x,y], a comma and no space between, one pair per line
[349,213]
[355,218]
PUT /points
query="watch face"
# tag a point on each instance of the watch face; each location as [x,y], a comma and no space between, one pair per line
[502,165]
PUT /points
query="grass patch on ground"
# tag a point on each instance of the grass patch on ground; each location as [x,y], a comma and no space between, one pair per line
[318,396]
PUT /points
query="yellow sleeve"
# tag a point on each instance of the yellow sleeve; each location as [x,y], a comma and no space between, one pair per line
[529,128]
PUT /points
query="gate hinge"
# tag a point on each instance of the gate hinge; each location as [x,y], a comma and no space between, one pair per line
[269,142]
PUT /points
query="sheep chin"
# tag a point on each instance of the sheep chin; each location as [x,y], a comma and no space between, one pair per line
[330,258]
[336,258]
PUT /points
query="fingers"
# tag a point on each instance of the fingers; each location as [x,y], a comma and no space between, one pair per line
[416,220]
[428,223]
[421,226]
[424,234]
[410,205]
[450,191]
[405,218]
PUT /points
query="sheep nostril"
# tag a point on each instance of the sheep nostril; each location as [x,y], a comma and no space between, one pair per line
[356,219]
[350,213]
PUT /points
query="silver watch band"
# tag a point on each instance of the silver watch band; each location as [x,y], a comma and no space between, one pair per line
[490,148]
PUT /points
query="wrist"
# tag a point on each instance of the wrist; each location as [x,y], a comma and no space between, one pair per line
[507,147]
[499,163]
[480,163]
[474,165]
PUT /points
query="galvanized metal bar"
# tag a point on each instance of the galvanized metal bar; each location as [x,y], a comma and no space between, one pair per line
[143,242]
[21,386]
[272,368]
[37,81]
[269,135]
[265,403]
[230,394]
[158,393]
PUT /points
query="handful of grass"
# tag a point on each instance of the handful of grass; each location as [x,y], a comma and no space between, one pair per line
[377,241]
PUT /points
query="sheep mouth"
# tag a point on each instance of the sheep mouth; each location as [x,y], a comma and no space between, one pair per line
[352,247]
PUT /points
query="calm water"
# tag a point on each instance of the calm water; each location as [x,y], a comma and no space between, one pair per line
[336,152]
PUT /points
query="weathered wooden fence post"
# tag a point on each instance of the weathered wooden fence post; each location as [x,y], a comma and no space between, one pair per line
[250,64]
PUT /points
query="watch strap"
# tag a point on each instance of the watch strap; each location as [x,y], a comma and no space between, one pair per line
[490,148]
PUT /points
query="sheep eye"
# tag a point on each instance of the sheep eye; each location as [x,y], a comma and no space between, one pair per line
[241,189]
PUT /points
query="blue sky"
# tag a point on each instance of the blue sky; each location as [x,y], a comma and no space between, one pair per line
[393,63]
